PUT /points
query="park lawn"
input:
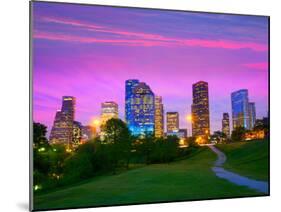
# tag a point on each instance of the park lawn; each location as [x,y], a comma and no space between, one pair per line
[188,179]
[249,158]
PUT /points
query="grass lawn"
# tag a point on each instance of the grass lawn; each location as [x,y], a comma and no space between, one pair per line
[188,179]
[247,158]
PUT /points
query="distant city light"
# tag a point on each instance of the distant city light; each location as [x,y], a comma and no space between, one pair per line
[68,150]
[95,122]
[189,118]
[37,187]
[42,149]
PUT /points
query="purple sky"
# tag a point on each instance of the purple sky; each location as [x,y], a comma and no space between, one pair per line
[89,51]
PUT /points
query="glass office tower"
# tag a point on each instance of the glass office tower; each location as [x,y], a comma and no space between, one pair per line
[252,115]
[140,108]
[129,87]
[240,109]
[200,110]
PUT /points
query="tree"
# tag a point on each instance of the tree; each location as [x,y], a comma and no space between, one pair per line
[80,165]
[172,144]
[118,137]
[40,148]
[192,142]
[145,147]
[39,135]
[238,134]
[57,156]
[262,124]
[218,137]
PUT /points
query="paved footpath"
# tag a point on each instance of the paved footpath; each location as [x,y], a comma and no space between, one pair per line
[261,186]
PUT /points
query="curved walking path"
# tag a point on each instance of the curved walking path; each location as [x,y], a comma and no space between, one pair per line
[261,186]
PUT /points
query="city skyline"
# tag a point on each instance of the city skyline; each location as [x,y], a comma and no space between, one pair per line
[91,59]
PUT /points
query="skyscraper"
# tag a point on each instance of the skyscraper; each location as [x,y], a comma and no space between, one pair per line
[240,109]
[159,117]
[62,130]
[77,132]
[109,110]
[129,87]
[200,110]
[252,115]
[172,122]
[140,108]
[225,124]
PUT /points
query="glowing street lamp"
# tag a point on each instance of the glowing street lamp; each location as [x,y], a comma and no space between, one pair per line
[42,149]
[95,122]
[189,118]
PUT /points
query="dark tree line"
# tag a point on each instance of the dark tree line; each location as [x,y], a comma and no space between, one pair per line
[111,153]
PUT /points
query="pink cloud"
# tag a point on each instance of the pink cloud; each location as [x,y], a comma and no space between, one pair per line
[260,66]
[73,38]
[139,39]
[226,44]
[148,43]
[98,28]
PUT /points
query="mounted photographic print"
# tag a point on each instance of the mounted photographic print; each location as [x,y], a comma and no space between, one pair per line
[137,106]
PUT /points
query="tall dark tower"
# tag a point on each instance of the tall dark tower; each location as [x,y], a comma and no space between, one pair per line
[225,124]
[200,110]
[159,117]
[62,130]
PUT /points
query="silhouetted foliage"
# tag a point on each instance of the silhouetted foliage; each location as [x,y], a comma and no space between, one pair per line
[54,166]
[79,166]
[39,135]
[191,141]
[218,137]
[238,134]
[158,150]
[119,140]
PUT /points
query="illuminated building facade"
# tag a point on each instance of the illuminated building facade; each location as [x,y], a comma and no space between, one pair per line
[172,122]
[180,133]
[62,130]
[200,110]
[109,110]
[252,115]
[77,133]
[226,124]
[129,87]
[140,108]
[255,134]
[240,109]
[159,117]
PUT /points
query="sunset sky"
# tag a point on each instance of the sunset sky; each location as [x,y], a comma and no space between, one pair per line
[89,51]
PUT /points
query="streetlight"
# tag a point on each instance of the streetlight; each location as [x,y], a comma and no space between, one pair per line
[95,126]
[95,122]
[189,118]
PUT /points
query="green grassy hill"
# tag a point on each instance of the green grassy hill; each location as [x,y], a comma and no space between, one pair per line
[247,158]
[188,179]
